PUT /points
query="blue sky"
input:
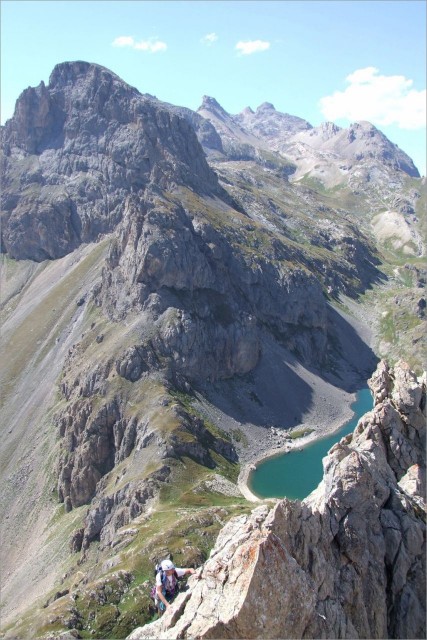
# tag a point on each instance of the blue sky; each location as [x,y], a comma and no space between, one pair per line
[339,60]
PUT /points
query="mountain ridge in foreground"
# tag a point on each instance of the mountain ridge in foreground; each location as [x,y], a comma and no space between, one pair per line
[350,557]
[171,290]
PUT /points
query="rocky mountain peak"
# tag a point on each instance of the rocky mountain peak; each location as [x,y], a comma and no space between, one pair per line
[363,125]
[377,145]
[67,73]
[364,129]
[329,129]
[227,126]
[211,104]
[361,142]
[90,140]
[271,126]
[265,106]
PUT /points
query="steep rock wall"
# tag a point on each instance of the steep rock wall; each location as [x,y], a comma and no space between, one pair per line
[206,298]
[75,149]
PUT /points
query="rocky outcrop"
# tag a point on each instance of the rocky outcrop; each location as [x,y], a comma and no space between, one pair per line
[95,442]
[116,458]
[75,149]
[111,511]
[203,296]
[98,434]
[90,447]
[347,562]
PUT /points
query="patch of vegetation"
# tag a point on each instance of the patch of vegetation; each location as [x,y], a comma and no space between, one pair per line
[300,433]
[239,436]
[312,183]
[113,606]
[186,401]
[187,475]
[388,327]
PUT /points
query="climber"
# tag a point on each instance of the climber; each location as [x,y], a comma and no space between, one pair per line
[167,584]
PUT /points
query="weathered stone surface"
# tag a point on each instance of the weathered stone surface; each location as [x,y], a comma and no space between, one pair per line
[99,433]
[132,364]
[110,512]
[88,449]
[76,540]
[75,149]
[347,562]
[204,299]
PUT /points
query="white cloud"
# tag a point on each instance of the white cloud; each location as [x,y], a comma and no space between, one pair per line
[383,100]
[123,41]
[152,45]
[209,39]
[251,46]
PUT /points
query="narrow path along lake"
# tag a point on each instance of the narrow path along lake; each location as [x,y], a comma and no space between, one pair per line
[297,473]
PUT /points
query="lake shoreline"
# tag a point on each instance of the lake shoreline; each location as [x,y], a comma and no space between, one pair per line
[320,431]
[325,418]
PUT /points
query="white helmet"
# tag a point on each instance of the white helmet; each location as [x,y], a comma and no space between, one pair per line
[167,564]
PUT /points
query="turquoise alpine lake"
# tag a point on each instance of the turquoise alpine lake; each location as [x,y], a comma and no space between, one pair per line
[297,473]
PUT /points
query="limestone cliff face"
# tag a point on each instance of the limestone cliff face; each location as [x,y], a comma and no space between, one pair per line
[347,562]
[75,149]
[204,295]
[115,458]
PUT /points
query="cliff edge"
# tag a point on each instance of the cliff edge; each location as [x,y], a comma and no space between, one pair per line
[347,562]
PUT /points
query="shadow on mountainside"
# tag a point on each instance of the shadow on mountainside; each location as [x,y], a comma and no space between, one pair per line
[352,357]
[283,392]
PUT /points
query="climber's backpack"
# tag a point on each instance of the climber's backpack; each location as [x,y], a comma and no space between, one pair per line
[171,591]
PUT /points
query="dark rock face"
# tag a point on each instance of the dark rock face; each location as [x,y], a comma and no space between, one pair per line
[110,512]
[98,434]
[89,450]
[206,299]
[76,149]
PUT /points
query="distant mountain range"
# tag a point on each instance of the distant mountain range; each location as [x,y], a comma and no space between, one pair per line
[295,138]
